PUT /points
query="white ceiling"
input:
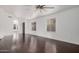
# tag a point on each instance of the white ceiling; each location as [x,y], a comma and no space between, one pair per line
[28,11]
[17,10]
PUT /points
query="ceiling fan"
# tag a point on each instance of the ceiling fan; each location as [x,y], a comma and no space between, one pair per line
[43,7]
[42,10]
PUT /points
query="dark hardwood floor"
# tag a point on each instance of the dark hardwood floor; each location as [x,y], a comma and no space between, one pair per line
[36,44]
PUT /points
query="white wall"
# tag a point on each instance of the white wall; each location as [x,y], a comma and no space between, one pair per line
[5,24]
[67,28]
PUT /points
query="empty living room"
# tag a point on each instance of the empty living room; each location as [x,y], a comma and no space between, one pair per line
[39,28]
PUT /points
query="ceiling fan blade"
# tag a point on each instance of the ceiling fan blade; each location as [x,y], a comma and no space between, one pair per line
[49,7]
[39,6]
